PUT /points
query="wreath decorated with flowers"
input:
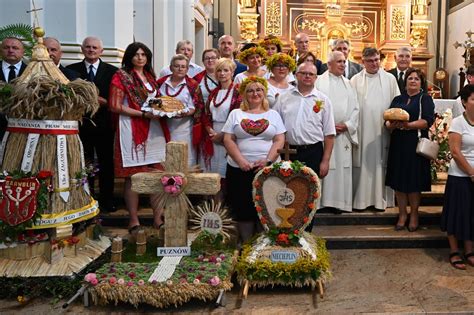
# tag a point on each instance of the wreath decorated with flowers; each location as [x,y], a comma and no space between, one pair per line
[271,41]
[252,51]
[252,79]
[281,58]
[287,171]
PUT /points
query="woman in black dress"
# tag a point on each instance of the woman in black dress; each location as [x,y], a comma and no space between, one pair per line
[407,172]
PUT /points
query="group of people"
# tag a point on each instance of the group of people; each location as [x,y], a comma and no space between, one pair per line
[239,113]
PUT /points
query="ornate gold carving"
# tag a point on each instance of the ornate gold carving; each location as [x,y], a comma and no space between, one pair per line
[382,25]
[357,28]
[398,24]
[247,3]
[419,31]
[248,26]
[313,25]
[273,18]
[419,8]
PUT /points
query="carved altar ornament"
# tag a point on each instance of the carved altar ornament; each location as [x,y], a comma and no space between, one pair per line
[273,19]
[419,33]
[419,8]
[248,26]
[398,24]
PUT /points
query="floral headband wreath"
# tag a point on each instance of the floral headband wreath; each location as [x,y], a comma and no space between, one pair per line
[250,80]
[271,41]
[252,51]
[281,58]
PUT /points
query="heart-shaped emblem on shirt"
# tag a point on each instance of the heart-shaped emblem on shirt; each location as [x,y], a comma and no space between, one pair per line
[254,128]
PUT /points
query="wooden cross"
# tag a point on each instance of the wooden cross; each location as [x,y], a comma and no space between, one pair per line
[287,151]
[176,215]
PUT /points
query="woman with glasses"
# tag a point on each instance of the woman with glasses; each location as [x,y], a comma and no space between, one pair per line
[212,115]
[252,56]
[252,136]
[207,78]
[139,141]
[181,87]
[281,66]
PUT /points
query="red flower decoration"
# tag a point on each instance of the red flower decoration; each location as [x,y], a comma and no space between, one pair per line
[256,184]
[311,205]
[316,194]
[44,174]
[285,172]
[257,197]
[263,220]
[296,232]
[282,238]
[258,208]
[314,179]
[306,219]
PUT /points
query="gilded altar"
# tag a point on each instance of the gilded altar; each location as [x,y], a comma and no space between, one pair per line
[387,25]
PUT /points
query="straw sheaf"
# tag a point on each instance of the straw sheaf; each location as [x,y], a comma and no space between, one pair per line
[158,295]
[43,98]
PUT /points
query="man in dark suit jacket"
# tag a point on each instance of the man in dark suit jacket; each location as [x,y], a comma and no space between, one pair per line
[352,68]
[55,53]
[403,60]
[98,135]
[226,49]
[12,51]
[302,46]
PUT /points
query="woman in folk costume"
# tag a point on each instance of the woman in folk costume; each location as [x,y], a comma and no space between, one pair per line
[281,67]
[207,78]
[252,56]
[140,141]
[213,115]
[180,86]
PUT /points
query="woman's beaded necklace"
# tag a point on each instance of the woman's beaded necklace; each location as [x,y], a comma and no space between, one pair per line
[177,93]
[217,104]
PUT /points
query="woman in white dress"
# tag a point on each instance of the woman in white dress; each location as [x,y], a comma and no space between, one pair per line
[280,65]
[252,56]
[180,86]
[212,115]
[139,142]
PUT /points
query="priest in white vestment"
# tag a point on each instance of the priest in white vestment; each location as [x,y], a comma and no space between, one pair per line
[375,90]
[337,185]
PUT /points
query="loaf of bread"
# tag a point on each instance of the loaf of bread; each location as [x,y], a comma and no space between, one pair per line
[166,104]
[396,114]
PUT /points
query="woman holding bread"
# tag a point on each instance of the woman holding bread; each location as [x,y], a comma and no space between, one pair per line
[407,172]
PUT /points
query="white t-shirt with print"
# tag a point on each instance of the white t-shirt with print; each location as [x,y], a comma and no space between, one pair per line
[253,132]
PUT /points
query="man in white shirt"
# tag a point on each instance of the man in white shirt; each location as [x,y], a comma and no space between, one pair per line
[403,60]
[12,51]
[375,90]
[309,121]
[346,116]
[184,47]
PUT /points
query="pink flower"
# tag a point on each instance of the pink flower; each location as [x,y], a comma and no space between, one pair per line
[113,280]
[222,256]
[178,180]
[94,281]
[218,259]
[214,281]
[129,283]
[141,282]
[196,281]
[121,281]
[90,276]
[164,180]
[183,280]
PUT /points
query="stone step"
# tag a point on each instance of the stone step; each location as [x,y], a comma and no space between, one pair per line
[380,236]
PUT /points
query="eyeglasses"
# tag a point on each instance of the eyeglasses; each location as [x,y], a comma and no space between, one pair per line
[257,90]
[372,60]
[210,58]
[306,74]
[180,66]
[280,66]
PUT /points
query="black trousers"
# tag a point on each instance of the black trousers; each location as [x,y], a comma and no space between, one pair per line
[311,155]
[100,141]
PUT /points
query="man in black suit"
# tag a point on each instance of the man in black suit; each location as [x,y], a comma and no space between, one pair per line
[302,46]
[12,51]
[226,49]
[55,53]
[97,134]
[403,60]
[352,68]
